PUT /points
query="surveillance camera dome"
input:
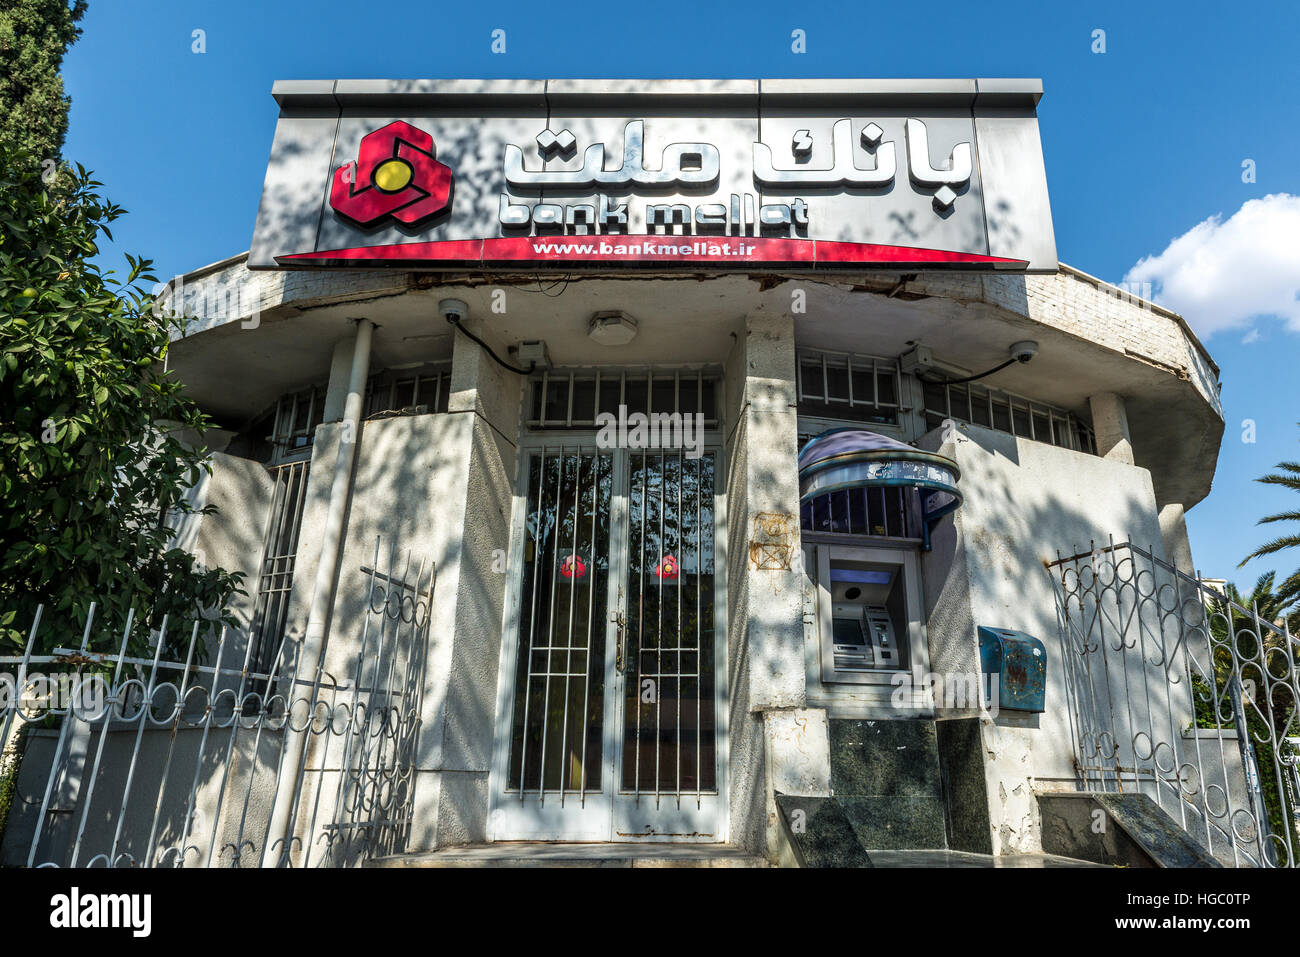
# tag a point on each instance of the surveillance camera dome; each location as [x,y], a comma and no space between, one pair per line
[1024,351]
[453,310]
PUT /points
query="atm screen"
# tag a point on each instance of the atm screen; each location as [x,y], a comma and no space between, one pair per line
[848,631]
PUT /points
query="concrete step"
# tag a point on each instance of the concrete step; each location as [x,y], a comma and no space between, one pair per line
[823,832]
[896,821]
[937,858]
[545,854]
[1138,833]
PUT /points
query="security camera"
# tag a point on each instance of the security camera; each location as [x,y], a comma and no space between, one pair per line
[1024,351]
[453,310]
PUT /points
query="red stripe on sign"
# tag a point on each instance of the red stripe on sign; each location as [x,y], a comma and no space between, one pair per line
[607,248]
[455,250]
[741,250]
[837,252]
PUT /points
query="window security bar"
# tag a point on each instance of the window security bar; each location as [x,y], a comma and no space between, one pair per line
[845,385]
[296,417]
[279,556]
[1005,412]
[575,399]
[393,392]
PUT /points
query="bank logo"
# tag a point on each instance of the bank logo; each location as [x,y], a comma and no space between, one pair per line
[395,174]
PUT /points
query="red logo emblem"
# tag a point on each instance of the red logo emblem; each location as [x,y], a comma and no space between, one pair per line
[668,568]
[395,174]
[573,567]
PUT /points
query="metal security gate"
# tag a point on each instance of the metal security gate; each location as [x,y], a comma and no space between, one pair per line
[1178,693]
[169,761]
[609,718]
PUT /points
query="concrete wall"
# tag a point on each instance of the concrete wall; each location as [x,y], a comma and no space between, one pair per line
[1025,502]
[439,488]
[231,537]
[239,819]
[435,491]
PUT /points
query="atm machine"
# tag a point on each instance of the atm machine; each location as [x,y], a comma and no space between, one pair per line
[865,620]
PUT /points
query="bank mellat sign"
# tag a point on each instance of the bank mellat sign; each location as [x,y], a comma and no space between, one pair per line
[669,174]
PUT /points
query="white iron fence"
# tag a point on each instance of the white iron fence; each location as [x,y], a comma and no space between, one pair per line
[157,762]
[1183,695]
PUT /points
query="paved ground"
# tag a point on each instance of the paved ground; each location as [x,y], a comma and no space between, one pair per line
[528,854]
[964,859]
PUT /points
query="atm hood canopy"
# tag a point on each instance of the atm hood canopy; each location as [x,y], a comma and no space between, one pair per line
[842,459]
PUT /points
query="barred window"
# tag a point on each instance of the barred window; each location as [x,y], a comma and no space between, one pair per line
[561,399]
[427,389]
[1004,412]
[881,512]
[842,385]
[294,425]
[276,569]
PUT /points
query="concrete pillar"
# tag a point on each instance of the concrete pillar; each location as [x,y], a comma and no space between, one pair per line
[764,579]
[765,479]
[457,741]
[311,656]
[797,749]
[1173,530]
[336,391]
[1110,427]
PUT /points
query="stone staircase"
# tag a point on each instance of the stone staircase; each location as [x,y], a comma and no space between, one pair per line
[886,794]
[1138,833]
[903,794]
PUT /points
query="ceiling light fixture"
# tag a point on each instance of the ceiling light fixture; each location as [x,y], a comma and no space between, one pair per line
[614,328]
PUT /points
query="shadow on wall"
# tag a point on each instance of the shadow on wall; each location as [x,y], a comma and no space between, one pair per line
[1026,504]
[200,788]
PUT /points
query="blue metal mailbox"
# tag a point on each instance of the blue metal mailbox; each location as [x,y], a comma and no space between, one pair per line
[1020,663]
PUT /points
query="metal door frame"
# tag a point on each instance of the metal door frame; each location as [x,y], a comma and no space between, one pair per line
[511,818]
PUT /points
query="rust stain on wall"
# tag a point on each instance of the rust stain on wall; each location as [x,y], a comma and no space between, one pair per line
[771,543]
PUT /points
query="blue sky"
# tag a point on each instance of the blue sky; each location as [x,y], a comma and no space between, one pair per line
[1143,142]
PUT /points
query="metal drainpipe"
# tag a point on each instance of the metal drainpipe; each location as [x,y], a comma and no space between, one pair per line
[316,639]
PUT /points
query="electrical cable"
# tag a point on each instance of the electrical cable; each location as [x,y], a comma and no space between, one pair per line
[981,375]
[499,361]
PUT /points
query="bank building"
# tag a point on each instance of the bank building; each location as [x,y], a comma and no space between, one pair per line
[716,471]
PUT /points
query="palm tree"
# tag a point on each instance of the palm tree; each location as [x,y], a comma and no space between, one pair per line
[1288,477]
[1271,604]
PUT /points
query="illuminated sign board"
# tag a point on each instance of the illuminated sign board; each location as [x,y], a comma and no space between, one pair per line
[728,174]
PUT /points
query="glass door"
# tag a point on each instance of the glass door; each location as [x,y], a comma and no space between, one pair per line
[667,662]
[556,780]
[613,701]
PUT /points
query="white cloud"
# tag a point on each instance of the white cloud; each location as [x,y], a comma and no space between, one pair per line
[1220,275]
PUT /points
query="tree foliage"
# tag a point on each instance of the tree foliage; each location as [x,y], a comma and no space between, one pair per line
[1288,477]
[92,467]
[33,107]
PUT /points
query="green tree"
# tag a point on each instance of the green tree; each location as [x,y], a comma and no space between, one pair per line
[33,107]
[1288,477]
[91,465]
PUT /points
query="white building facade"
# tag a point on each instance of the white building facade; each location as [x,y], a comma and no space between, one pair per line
[716,420]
